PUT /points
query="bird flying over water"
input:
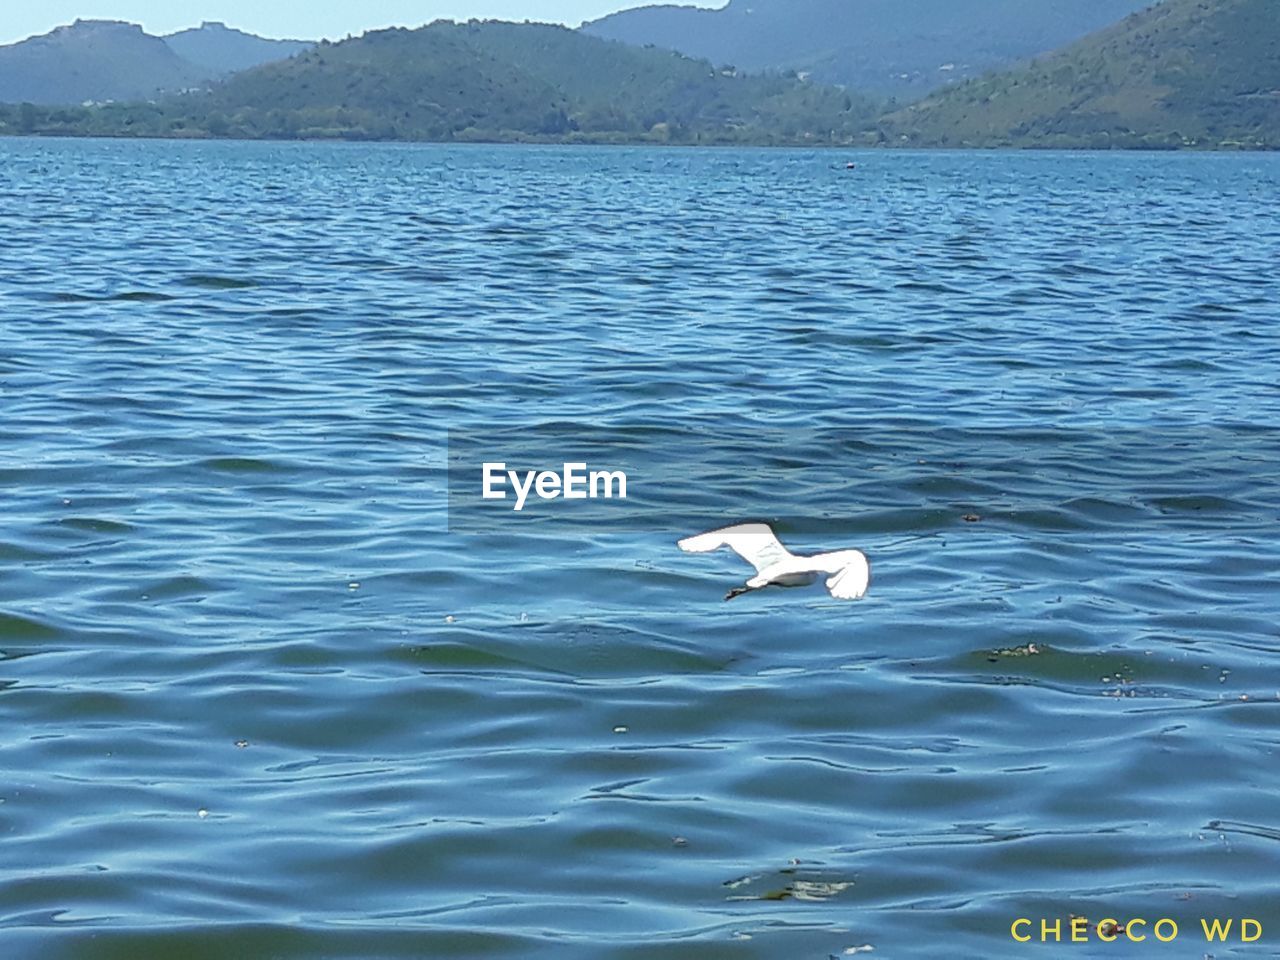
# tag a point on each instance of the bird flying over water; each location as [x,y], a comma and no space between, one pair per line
[848,572]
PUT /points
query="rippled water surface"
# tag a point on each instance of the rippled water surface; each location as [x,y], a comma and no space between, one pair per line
[264,695]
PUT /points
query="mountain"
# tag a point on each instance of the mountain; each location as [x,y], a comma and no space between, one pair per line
[484,81]
[897,48]
[92,60]
[220,49]
[103,60]
[1186,73]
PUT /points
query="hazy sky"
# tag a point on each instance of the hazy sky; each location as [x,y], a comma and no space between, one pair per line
[309,19]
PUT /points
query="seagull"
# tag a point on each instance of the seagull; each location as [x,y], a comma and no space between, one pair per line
[848,571]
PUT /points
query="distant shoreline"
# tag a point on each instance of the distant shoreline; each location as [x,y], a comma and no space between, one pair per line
[599,141]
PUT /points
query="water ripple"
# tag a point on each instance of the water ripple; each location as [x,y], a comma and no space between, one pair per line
[260,701]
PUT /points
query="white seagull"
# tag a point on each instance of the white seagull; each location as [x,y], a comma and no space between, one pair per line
[848,571]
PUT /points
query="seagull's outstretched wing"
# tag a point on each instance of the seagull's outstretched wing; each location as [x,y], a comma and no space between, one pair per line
[850,582]
[753,542]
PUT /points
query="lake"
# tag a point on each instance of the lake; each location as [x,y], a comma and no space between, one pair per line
[273,682]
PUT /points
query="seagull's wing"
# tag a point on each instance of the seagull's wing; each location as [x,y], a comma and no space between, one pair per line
[850,582]
[753,542]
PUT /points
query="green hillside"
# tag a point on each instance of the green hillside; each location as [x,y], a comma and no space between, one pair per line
[482,81]
[893,48]
[1197,73]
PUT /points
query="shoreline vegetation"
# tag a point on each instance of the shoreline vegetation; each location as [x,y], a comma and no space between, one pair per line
[1132,143]
[1182,75]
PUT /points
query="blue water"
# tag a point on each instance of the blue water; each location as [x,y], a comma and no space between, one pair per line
[263,693]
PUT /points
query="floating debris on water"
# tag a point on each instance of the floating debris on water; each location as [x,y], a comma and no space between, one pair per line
[807,890]
[1026,650]
[792,887]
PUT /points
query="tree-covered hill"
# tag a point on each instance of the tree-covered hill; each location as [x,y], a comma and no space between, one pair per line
[478,81]
[899,48]
[1200,73]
